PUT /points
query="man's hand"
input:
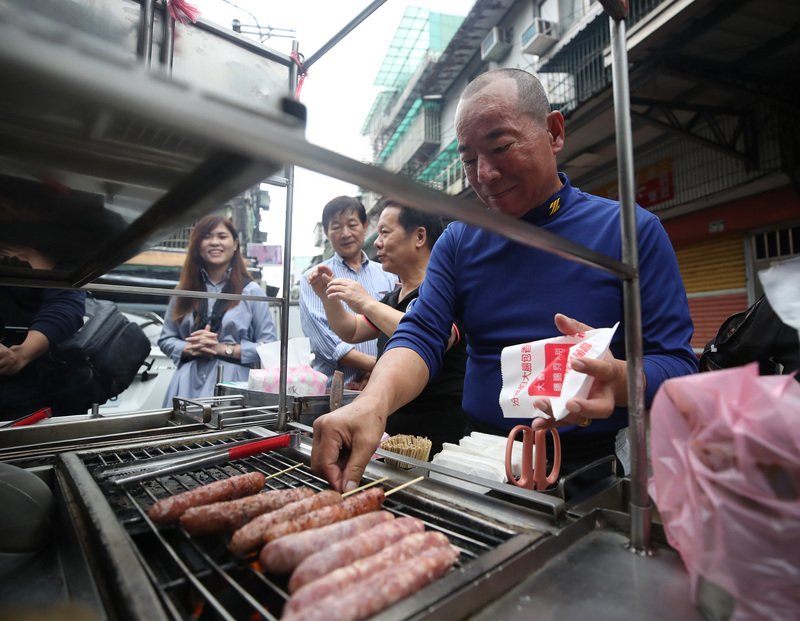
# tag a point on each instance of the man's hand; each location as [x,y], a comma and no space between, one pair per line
[344,442]
[608,390]
[10,362]
[15,358]
[318,278]
[351,293]
[346,439]
[360,383]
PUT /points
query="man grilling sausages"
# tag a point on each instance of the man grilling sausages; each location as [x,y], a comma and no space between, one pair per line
[503,293]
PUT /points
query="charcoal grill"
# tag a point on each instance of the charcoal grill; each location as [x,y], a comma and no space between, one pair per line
[143,571]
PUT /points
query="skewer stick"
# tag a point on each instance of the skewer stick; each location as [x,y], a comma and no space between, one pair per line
[280,472]
[365,486]
[406,484]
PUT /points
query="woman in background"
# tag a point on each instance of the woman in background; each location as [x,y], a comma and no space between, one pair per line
[201,334]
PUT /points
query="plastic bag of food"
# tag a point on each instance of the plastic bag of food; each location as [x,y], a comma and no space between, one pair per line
[301,379]
[726,480]
[543,369]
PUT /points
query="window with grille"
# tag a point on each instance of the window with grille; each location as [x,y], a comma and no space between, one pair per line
[779,243]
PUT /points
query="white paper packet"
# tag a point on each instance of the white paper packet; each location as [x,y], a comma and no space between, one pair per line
[543,369]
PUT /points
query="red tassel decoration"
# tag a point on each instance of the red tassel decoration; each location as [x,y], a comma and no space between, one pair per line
[182,11]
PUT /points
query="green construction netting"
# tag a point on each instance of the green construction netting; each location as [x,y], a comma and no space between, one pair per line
[419,32]
[433,171]
[382,101]
[399,132]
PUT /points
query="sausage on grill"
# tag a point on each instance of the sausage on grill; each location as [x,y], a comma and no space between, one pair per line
[363,502]
[348,551]
[233,514]
[250,537]
[380,590]
[341,579]
[171,508]
[283,555]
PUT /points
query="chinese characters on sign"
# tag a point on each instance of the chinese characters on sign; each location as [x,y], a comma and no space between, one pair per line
[654,184]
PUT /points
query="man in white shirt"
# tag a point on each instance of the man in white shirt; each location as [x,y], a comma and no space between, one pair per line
[344,220]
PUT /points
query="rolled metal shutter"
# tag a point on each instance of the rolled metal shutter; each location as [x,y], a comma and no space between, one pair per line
[714,275]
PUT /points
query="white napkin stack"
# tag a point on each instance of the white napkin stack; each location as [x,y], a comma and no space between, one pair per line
[477,455]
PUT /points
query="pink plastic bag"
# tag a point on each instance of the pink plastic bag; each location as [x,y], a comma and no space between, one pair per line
[726,480]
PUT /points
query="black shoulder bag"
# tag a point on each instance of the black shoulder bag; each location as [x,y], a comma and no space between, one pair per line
[98,362]
[754,335]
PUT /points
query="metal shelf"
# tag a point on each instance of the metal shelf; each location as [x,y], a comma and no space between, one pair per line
[90,175]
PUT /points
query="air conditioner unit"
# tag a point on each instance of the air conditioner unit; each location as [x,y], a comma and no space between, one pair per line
[495,45]
[539,37]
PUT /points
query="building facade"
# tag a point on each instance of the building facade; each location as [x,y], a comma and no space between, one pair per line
[716,134]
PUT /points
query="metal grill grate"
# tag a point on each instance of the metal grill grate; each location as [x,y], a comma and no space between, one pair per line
[198,578]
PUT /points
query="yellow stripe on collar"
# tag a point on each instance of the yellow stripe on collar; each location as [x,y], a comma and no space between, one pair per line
[554,206]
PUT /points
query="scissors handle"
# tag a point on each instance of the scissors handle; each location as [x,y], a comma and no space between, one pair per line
[533,474]
[552,476]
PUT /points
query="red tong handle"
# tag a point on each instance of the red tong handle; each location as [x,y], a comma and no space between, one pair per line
[260,446]
[32,419]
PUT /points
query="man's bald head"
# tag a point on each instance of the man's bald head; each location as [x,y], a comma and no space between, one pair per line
[531,97]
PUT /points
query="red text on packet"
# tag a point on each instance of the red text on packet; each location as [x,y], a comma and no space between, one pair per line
[550,381]
[526,368]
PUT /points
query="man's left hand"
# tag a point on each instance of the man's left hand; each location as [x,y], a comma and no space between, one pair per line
[608,390]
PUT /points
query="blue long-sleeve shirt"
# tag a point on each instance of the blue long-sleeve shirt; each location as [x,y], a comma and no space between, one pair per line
[503,293]
[56,313]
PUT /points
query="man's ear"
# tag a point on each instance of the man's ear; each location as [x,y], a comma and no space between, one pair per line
[555,130]
[422,235]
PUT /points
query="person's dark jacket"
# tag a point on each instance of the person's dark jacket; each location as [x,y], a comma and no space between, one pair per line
[56,313]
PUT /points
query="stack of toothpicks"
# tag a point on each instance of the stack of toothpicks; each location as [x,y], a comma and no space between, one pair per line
[411,446]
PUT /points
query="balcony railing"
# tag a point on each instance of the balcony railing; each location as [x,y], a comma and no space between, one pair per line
[576,70]
[416,139]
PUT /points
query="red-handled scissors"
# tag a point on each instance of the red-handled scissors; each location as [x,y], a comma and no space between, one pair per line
[534,473]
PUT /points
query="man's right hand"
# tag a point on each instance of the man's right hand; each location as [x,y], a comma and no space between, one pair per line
[344,442]
[318,278]
[346,439]
[351,293]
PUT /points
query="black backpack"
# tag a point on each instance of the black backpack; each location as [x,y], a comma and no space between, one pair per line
[98,362]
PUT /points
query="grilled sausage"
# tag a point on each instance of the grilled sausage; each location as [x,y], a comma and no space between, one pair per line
[233,514]
[171,508]
[363,502]
[250,537]
[283,555]
[380,590]
[341,579]
[348,551]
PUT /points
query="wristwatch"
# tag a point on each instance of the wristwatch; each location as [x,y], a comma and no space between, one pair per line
[229,350]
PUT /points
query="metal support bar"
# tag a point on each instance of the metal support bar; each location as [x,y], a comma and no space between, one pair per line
[287,271]
[640,501]
[262,138]
[167,43]
[144,48]
[343,32]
